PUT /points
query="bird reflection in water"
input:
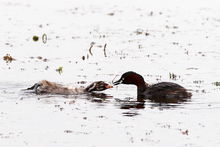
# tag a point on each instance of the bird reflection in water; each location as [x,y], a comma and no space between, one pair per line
[98,97]
[141,103]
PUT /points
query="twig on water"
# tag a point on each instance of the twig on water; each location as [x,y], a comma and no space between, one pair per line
[44,38]
[105,50]
[90,49]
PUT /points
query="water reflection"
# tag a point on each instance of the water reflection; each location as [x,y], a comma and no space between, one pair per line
[168,100]
[130,113]
[162,106]
[100,95]
[129,103]
[122,103]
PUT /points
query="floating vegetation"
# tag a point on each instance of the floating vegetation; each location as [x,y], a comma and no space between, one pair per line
[43,59]
[81,82]
[111,14]
[192,68]
[35,38]
[140,46]
[44,38]
[186,132]
[90,50]
[59,69]
[173,76]
[40,58]
[175,43]
[140,32]
[8,58]
[47,67]
[72,102]
[198,81]
[171,27]
[175,27]
[216,83]
[99,46]
[68,131]
[146,34]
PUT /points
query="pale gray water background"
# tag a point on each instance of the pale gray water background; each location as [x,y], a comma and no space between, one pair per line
[154,38]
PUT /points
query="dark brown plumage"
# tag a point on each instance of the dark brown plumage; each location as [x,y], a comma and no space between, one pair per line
[160,92]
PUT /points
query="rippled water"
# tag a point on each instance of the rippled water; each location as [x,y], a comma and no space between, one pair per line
[171,42]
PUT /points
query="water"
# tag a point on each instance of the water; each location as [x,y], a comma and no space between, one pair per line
[173,42]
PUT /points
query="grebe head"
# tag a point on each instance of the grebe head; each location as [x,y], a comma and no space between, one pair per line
[130,78]
[98,86]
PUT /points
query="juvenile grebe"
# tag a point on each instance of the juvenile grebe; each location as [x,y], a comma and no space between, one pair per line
[47,87]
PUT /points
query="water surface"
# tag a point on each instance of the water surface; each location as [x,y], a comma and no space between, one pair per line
[170,42]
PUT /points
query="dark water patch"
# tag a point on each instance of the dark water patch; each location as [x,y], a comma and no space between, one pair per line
[130,113]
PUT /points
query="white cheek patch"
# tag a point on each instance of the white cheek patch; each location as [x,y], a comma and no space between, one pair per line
[92,87]
[121,81]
